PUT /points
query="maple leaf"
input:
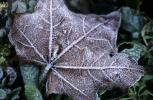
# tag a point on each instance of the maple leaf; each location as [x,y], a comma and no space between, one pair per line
[79,49]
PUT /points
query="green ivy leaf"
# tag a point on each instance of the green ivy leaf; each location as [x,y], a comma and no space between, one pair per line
[97,97]
[7,80]
[30,74]
[147,77]
[32,4]
[1,73]
[136,52]
[3,94]
[14,95]
[11,75]
[131,21]
[2,32]
[147,32]
[19,7]
[5,51]
[32,93]
[2,60]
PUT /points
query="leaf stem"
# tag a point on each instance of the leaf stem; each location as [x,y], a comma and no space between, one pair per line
[45,72]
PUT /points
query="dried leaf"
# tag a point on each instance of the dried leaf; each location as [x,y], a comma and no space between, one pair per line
[80,49]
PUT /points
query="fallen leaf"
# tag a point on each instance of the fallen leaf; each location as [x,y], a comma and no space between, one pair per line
[80,49]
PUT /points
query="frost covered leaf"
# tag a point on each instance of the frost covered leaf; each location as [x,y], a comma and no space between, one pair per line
[80,49]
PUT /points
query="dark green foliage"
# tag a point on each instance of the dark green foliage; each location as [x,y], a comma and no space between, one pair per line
[147,33]
[32,92]
[18,7]
[139,91]
[136,52]
[31,5]
[131,21]
[8,78]
[30,74]
[94,6]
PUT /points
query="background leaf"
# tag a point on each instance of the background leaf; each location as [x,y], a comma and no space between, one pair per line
[3,94]
[31,5]
[131,21]
[136,51]
[30,74]
[147,32]
[19,7]
[32,92]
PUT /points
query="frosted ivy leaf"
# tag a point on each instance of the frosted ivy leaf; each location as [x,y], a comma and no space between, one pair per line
[80,50]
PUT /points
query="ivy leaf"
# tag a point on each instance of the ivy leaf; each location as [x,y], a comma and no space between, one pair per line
[11,74]
[136,52]
[18,7]
[97,97]
[147,31]
[32,4]
[7,92]
[2,60]
[32,92]
[147,77]
[131,21]
[79,49]
[14,95]
[1,73]
[30,74]
[3,94]
[2,32]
